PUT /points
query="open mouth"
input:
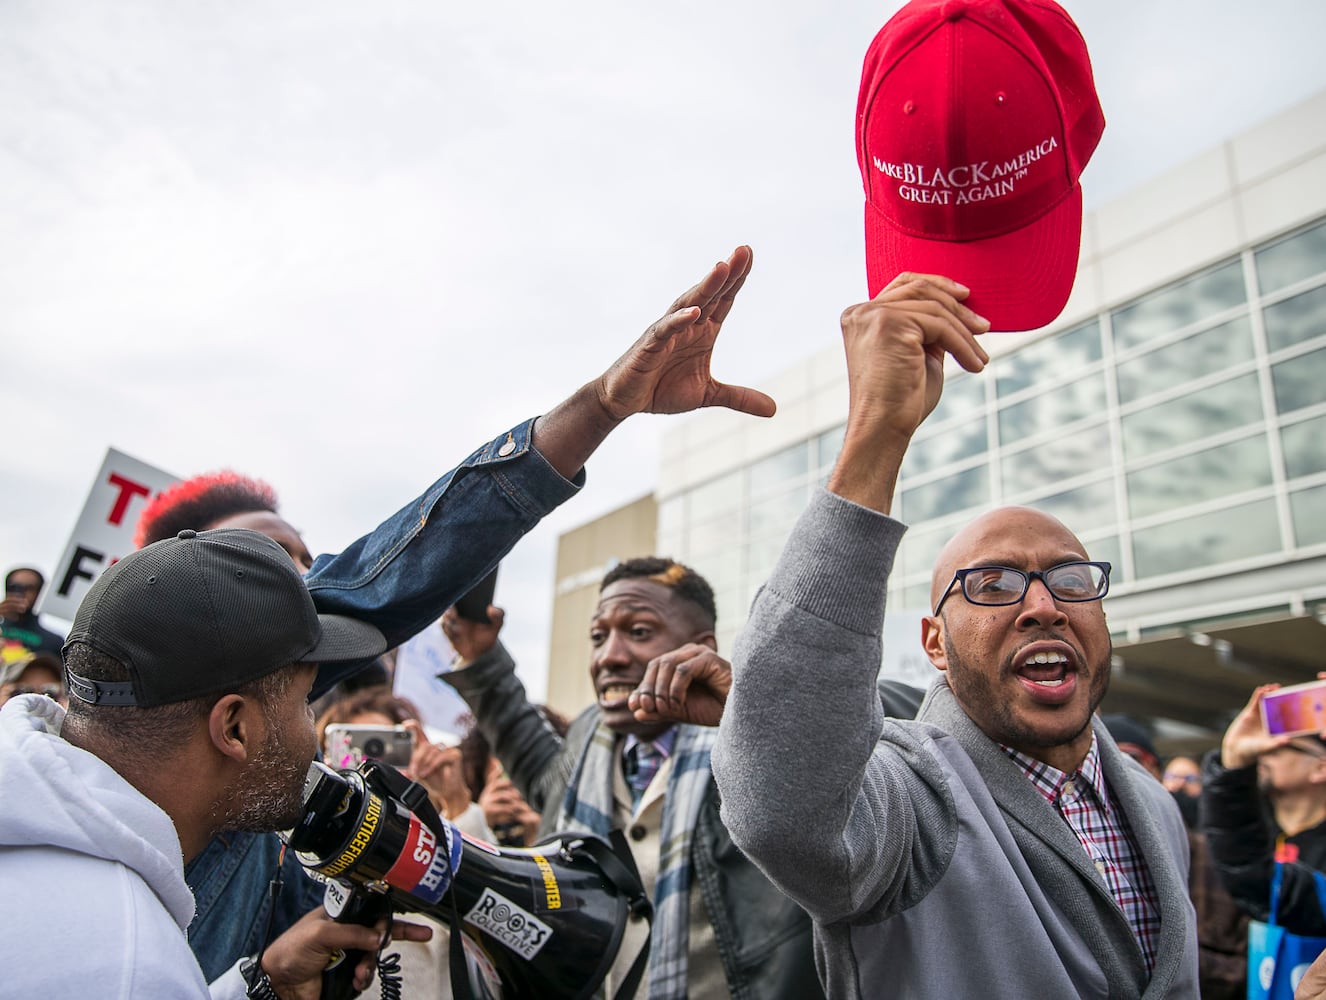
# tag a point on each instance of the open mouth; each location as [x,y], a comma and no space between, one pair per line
[1046,669]
[1048,675]
[613,694]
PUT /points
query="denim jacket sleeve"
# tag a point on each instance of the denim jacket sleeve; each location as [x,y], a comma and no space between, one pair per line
[413,566]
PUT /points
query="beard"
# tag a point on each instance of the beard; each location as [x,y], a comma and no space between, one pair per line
[977,691]
[270,795]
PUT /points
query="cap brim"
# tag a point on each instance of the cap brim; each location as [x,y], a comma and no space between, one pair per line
[1018,281]
[346,639]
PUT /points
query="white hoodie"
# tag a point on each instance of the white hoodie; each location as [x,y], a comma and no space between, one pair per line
[93,900]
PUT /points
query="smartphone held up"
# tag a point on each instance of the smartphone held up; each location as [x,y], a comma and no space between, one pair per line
[350,744]
[1295,710]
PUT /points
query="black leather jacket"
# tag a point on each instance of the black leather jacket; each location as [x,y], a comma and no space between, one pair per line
[764,939]
[1242,835]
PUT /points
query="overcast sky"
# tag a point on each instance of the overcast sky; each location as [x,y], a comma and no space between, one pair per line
[337,245]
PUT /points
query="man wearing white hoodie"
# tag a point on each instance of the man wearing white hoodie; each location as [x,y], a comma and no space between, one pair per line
[189,664]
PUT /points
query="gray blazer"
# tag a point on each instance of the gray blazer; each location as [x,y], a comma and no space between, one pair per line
[930,864]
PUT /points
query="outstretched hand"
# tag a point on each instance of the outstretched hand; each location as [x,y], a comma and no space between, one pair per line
[689,684]
[667,369]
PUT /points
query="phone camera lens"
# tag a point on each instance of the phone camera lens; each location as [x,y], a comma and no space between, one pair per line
[374,747]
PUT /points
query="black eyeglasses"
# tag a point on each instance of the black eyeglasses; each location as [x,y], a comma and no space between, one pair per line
[995,586]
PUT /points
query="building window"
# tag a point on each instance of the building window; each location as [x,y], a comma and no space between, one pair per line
[1049,360]
[1213,410]
[1060,404]
[1230,468]
[958,442]
[1192,357]
[963,397]
[1082,509]
[828,445]
[1107,549]
[716,496]
[712,534]
[1308,508]
[969,488]
[1296,320]
[1055,459]
[777,514]
[1303,446]
[1180,305]
[1300,381]
[1222,536]
[779,469]
[1292,259]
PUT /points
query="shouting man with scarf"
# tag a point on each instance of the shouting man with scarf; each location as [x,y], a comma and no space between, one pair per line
[720,928]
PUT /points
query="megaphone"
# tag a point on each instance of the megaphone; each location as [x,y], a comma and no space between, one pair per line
[538,922]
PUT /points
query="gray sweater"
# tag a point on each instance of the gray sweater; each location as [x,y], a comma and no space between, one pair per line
[930,864]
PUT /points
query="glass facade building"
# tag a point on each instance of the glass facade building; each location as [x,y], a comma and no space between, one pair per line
[1181,433]
[1174,417]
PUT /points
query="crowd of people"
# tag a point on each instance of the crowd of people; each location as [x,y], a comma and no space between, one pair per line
[997,811]
[782,821]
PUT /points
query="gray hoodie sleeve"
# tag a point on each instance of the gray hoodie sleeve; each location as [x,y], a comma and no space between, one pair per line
[829,812]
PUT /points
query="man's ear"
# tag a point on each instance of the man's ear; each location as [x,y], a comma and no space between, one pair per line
[1318,770]
[932,640]
[233,726]
[707,639]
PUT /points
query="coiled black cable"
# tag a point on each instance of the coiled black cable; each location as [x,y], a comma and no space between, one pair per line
[389,975]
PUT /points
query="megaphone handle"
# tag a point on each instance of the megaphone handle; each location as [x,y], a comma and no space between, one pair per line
[361,908]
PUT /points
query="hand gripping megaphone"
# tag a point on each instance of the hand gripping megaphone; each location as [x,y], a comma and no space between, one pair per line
[539,922]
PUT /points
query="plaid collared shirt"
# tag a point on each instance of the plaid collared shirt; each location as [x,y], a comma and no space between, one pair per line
[1084,801]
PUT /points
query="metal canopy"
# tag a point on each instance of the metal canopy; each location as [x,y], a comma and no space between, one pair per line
[1202,679]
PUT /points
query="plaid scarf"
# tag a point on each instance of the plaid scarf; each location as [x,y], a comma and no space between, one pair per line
[589,805]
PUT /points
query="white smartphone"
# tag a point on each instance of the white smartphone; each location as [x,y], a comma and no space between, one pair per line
[349,744]
[1295,710]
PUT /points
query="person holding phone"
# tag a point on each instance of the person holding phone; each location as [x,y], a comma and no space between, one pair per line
[1258,789]
[20,630]
[438,768]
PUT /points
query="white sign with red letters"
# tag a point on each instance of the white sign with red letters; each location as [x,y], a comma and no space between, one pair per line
[105,529]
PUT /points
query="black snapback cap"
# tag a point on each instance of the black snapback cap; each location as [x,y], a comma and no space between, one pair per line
[205,612]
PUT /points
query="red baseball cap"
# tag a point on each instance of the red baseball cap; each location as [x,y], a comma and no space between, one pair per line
[974,121]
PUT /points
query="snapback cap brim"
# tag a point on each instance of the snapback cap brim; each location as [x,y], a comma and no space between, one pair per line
[345,639]
[1018,281]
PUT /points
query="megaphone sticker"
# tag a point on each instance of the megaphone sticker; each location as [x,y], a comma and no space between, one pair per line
[553,893]
[423,867]
[518,929]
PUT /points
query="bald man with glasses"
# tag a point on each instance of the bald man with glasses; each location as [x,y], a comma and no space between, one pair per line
[1000,845]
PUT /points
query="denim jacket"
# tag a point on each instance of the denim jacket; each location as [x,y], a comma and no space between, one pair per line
[400,578]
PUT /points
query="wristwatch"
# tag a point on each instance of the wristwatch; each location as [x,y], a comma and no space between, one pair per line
[259,984]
